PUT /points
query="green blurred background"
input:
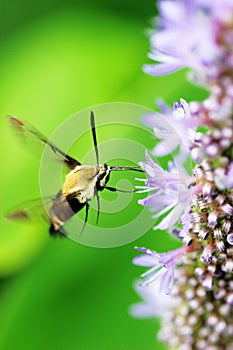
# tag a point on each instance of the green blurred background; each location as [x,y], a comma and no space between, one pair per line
[57,57]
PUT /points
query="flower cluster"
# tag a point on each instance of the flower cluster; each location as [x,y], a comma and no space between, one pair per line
[196,207]
[192,34]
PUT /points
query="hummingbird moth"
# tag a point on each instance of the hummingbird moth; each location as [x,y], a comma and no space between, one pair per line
[82,182]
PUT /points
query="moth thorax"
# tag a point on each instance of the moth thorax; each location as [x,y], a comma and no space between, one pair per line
[103,175]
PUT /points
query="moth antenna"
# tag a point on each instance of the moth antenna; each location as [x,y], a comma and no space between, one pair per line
[93,130]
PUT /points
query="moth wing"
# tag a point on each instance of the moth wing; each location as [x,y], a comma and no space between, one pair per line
[29,136]
[33,210]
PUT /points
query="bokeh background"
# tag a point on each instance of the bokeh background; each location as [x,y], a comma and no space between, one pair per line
[56,58]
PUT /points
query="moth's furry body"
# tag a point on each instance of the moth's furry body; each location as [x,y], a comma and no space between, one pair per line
[80,186]
[82,181]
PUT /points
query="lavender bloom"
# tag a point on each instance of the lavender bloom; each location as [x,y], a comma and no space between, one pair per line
[186,38]
[229,177]
[162,266]
[154,303]
[224,179]
[220,9]
[199,35]
[230,238]
[172,192]
[175,128]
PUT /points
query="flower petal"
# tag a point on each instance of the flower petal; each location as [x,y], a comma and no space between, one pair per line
[167,281]
[144,260]
[161,68]
[163,148]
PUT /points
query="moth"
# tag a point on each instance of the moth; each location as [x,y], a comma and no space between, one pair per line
[82,182]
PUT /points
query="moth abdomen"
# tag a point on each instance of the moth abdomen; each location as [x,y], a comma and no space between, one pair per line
[62,210]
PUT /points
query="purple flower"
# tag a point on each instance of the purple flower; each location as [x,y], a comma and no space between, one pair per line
[229,176]
[175,128]
[162,266]
[224,179]
[220,9]
[172,192]
[230,238]
[186,38]
[154,303]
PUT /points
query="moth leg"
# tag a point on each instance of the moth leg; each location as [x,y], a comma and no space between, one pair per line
[113,189]
[85,221]
[98,205]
